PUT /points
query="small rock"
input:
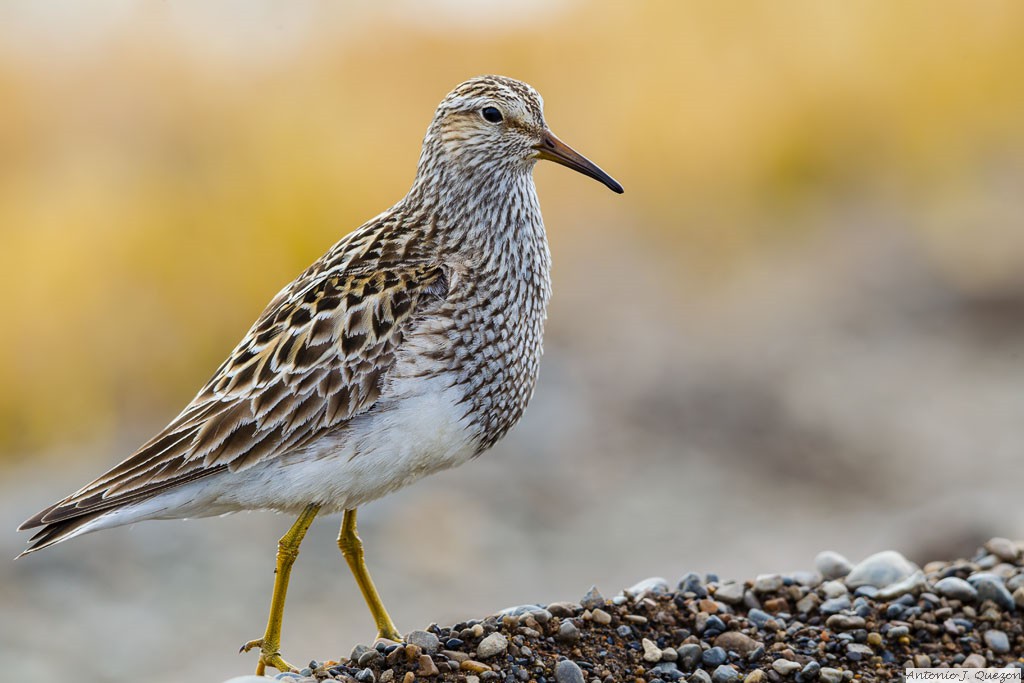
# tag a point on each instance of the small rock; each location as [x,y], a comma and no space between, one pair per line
[427,667]
[425,641]
[655,585]
[474,666]
[368,658]
[247,679]
[492,645]
[975,661]
[808,603]
[567,671]
[759,617]
[567,632]
[601,617]
[669,654]
[844,622]
[700,676]
[784,667]
[956,589]
[768,583]
[358,652]
[809,579]
[991,587]
[810,671]
[912,584]
[565,609]
[832,565]
[652,653]
[366,676]
[725,674]
[834,589]
[830,675]
[714,656]
[881,570]
[834,606]
[922,661]
[856,652]
[997,640]
[735,641]
[730,593]
[689,655]
[692,583]
[592,599]
[1018,597]
[1003,548]
[755,676]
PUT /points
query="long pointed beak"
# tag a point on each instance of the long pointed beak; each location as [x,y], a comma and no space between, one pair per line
[553,149]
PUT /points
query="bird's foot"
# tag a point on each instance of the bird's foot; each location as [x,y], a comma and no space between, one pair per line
[392,635]
[268,657]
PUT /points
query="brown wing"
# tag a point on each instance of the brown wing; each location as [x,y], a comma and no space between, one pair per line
[315,358]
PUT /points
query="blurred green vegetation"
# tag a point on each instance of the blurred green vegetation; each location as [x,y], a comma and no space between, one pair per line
[162,177]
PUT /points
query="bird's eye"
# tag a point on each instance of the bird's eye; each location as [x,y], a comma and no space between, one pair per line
[491,114]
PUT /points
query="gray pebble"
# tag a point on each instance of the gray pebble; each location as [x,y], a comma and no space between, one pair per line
[808,603]
[998,641]
[832,565]
[912,584]
[368,658]
[956,589]
[881,570]
[358,651]
[288,676]
[692,583]
[730,593]
[652,653]
[655,584]
[714,656]
[689,655]
[856,652]
[834,589]
[1003,548]
[759,617]
[724,674]
[810,670]
[425,641]
[700,676]
[366,676]
[1015,582]
[784,667]
[567,671]
[834,606]
[493,644]
[768,583]
[568,633]
[1018,597]
[592,599]
[898,632]
[991,587]
[830,675]
[809,579]
[844,622]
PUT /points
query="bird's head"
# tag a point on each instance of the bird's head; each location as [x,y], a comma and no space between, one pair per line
[495,125]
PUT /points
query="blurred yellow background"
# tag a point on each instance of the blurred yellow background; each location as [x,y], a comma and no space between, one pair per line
[809,303]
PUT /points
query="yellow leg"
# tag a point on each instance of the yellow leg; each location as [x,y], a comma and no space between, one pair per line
[352,548]
[287,551]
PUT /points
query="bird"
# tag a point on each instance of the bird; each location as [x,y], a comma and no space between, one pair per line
[410,347]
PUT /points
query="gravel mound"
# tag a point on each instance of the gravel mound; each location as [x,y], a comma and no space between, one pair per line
[838,622]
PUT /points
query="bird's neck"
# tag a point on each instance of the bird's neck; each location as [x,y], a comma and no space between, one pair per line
[485,212]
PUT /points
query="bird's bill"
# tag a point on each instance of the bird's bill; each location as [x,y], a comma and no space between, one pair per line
[553,149]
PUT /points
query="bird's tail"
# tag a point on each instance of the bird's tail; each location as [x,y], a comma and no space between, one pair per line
[55,532]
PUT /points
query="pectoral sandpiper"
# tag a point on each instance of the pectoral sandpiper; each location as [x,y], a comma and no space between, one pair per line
[408,348]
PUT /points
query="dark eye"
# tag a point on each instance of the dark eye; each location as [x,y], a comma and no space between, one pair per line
[491,114]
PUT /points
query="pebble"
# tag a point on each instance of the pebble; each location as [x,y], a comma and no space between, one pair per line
[991,587]
[700,676]
[567,671]
[427,666]
[1018,597]
[832,565]
[564,609]
[768,583]
[956,589]
[998,641]
[652,653]
[844,622]
[734,641]
[669,654]
[592,599]
[492,645]
[808,603]
[692,583]
[655,585]
[366,676]
[1003,548]
[881,570]
[856,651]
[755,676]
[474,666]
[834,606]
[911,584]
[834,589]
[975,661]
[424,640]
[730,593]
[759,617]
[713,656]
[810,671]
[784,667]
[568,633]
[725,674]
[601,617]
[689,655]
[830,675]
[247,679]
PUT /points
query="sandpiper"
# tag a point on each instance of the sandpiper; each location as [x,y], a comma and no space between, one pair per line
[410,347]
